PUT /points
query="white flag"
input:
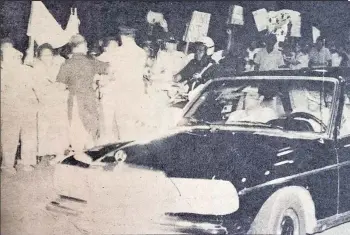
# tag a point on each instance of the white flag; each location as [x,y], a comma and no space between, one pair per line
[73,24]
[315,33]
[43,28]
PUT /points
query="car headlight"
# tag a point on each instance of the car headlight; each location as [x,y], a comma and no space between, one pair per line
[120,156]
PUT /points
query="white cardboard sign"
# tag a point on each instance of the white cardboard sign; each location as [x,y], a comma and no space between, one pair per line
[235,15]
[261,19]
[154,17]
[198,27]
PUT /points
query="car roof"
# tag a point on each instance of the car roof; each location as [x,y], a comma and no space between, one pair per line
[335,72]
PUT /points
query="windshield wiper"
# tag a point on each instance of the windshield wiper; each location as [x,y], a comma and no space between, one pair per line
[193,120]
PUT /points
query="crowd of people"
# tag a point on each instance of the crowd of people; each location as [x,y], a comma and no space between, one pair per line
[79,98]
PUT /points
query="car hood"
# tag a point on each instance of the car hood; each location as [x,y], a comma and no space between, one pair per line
[232,154]
[185,169]
[204,153]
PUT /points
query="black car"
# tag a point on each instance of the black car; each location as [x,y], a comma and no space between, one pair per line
[258,153]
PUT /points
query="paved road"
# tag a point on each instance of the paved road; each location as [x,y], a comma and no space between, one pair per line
[25,195]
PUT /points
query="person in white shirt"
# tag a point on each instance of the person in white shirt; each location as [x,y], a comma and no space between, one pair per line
[19,106]
[301,59]
[168,63]
[320,56]
[252,50]
[254,110]
[53,114]
[335,55]
[108,86]
[345,52]
[269,58]
[131,100]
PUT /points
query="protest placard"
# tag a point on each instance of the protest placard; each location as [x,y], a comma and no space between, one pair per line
[281,33]
[198,27]
[154,17]
[277,19]
[295,31]
[235,15]
[261,19]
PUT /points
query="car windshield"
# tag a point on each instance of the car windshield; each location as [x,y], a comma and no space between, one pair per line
[294,104]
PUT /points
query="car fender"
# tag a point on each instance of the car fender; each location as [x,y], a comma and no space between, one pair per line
[305,200]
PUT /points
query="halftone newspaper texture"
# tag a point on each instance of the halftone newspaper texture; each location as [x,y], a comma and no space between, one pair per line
[212,117]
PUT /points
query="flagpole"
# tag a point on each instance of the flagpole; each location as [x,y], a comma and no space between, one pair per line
[29,57]
[186,38]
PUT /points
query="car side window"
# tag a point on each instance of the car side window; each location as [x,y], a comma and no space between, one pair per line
[345,120]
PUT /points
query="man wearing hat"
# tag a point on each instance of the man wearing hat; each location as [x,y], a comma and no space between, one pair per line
[78,74]
[168,63]
[131,99]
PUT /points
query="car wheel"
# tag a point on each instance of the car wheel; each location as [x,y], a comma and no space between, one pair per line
[283,216]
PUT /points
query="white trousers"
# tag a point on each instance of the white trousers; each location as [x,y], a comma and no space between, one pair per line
[109,126]
[18,123]
[79,137]
[53,129]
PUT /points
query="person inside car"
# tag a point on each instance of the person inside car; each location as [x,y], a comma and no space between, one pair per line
[254,108]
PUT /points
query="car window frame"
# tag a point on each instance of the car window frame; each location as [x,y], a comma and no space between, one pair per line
[328,134]
[341,110]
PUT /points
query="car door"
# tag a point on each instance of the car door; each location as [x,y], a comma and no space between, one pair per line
[344,155]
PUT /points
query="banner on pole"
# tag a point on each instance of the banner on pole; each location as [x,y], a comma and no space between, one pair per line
[235,15]
[43,28]
[198,27]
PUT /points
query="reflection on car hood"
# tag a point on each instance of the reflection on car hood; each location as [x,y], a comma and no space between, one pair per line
[203,153]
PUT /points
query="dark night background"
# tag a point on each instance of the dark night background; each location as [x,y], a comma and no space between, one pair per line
[102,18]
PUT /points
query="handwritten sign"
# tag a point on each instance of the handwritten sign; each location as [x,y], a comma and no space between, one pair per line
[235,15]
[261,19]
[281,33]
[295,31]
[198,27]
[277,19]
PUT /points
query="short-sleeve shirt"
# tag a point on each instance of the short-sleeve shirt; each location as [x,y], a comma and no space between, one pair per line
[78,73]
[269,61]
[321,57]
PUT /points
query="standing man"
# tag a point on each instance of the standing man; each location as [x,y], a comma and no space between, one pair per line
[168,63]
[109,132]
[19,106]
[78,74]
[131,98]
[269,58]
[345,53]
[320,56]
